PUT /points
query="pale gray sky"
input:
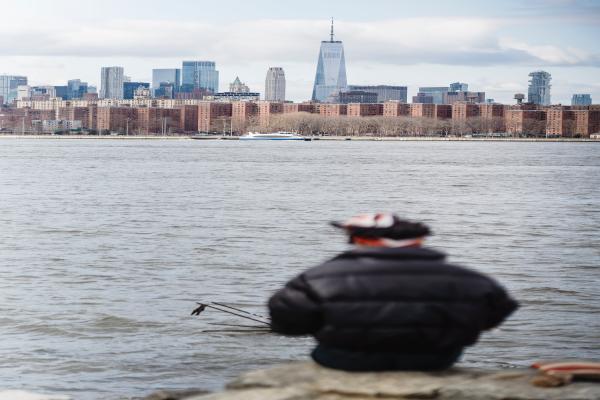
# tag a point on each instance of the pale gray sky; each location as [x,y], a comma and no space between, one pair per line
[491,45]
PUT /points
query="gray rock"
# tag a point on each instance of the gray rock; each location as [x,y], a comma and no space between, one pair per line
[308,381]
[175,394]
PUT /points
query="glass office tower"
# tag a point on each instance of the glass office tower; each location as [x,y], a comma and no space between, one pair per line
[199,75]
[539,88]
[170,76]
[111,82]
[331,70]
[9,85]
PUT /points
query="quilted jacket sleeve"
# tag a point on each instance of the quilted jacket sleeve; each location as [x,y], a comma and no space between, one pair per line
[295,309]
[500,306]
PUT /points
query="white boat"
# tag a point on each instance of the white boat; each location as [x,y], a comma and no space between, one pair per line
[272,136]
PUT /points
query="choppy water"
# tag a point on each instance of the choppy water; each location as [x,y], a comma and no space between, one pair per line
[106,244]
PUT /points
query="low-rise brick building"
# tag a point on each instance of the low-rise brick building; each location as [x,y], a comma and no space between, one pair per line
[396,109]
[422,110]
[266,110]
[243,115]
[116,119]
[75,114]
[587,122]
[188,118]
[214,116]
[443,111]
[162,121]
[290,108]
[525,121]
[560,121]
[364,110]
[333,110]
[462,111]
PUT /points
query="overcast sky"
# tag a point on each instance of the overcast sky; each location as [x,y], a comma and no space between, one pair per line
[491,45]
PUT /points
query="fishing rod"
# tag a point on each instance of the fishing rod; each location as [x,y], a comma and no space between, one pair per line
[239,309]
[202,306]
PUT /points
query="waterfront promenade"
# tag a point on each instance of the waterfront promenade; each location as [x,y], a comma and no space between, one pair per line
[315,138]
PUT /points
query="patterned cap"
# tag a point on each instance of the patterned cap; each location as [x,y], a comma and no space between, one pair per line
[382,225]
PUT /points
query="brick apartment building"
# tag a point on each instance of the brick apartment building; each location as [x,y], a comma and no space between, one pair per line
[290,108]
[152,120]
[75,114]
[266,110]
[525,121]
[214,117]
[443,111]
[243,114]
[578,121]
[462,111]
[560,121]
[396,109]
[365,109]
[188,120]
[116,119]
[587,122]
[333,110]
[422,110]
[20,119]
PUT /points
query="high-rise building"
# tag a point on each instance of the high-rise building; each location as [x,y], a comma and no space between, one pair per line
[356,96]
[165,90]
[275,84]
[199,75]
[458,87]
[170,76]
[61,92]
[76,89]
[384,92]
[581,100]
[9,87]
[539,88]
[238,86]
[436,92]
[460,96]
[330,78]
[129,88]
[111,82]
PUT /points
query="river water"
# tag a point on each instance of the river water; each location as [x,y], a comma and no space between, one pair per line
[107,244]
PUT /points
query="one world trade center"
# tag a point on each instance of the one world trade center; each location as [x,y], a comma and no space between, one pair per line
[331,70]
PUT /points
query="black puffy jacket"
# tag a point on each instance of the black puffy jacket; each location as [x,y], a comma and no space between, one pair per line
[390,299]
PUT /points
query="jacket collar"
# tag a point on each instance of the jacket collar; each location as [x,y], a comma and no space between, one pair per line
[394,253]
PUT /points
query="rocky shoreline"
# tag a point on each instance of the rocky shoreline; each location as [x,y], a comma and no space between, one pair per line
[308,381]
[325,138]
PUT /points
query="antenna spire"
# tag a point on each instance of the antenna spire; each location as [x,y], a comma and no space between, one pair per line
[332,29]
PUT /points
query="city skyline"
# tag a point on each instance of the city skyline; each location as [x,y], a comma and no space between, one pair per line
[493,49]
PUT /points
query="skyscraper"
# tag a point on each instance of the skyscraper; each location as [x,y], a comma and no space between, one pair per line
[9,87]
[238,86]
[384,92]
[458,87]
[581,100]
[436,92]
[111,82]
[275,84]
[171,76]
[199,75]
[331,70]
[539,88]
[76,89]
[129,88]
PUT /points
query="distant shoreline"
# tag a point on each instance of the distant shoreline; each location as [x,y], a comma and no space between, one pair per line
[325,138]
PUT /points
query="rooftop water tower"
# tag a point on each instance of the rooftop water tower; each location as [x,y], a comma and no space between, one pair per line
[519,98]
